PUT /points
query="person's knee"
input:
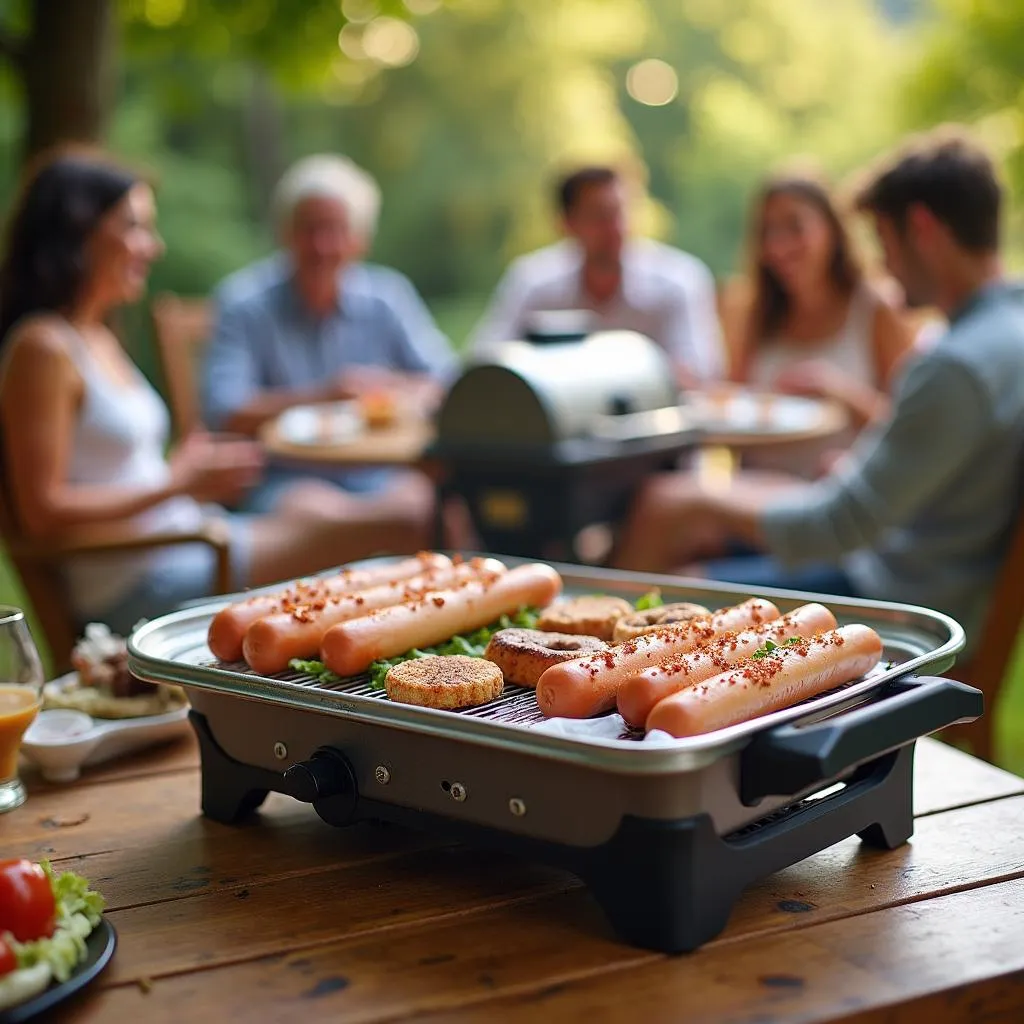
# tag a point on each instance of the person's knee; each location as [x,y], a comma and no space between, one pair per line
[306,498]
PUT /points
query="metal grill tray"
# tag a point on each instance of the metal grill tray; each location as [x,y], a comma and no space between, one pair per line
[172,649]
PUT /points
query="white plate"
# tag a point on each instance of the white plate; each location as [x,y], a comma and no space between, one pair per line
[760,413]
[322,424]
[62,742]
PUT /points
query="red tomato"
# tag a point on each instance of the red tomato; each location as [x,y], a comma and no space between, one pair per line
[7,960]
[26,901]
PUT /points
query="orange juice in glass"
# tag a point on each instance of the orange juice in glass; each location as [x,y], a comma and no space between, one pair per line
[21,696]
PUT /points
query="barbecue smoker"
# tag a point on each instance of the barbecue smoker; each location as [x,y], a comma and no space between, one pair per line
[542,440]
[666,836]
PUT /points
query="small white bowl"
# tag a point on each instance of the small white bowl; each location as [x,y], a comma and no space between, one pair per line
[62,741]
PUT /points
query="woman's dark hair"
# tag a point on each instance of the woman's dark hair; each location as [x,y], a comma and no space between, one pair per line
[62,201]
[771,300]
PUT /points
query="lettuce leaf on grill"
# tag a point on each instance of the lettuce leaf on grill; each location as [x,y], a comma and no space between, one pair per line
[472,644]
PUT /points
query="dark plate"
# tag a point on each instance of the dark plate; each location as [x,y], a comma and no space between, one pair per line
[99,949]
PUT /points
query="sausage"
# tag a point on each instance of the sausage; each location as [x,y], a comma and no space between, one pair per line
[587,686]
[351,647]
[639,693]
[228,628]
[271,642]
[780,679]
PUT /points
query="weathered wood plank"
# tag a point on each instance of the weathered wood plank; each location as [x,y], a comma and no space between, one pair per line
[945,777]
[962,848]
[888,966]
[958,955]
[180,753]
[297,911]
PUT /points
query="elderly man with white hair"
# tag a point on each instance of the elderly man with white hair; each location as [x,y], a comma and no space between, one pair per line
[315,323]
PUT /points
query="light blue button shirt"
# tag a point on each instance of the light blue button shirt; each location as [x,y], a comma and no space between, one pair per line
[265,339]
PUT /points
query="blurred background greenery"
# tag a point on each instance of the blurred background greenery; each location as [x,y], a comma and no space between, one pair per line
[465,109]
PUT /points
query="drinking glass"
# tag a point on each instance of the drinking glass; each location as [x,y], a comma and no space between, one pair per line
[21,696]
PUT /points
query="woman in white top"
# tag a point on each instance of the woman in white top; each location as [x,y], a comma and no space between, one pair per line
[806,322]
[84,434]
[810,323]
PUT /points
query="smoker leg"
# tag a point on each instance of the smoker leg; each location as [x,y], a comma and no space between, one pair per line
[227,790]
[895,824]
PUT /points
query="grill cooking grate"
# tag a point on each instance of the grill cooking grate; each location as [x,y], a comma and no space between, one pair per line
[516,706]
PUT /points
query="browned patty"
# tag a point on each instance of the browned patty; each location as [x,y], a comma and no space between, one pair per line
[444,681]
[524,654]
[593,615]
[638,623]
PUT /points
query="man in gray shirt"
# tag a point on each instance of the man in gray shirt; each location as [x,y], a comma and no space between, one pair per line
[923,508]
[313,323]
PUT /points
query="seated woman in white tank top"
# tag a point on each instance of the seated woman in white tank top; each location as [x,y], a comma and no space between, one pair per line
[84,434]
[810,323]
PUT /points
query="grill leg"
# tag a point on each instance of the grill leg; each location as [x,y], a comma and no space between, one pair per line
[227,790]
[658,885]
[895,823]
[671,885]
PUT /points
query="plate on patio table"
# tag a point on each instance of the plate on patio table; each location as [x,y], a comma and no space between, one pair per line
[763,416]
[325,423]
[99,948]
[62,741]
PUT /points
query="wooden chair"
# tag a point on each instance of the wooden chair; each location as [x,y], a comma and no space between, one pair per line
[37,563]
[987,668]
[182,328]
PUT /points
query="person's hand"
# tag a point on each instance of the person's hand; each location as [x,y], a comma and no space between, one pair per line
[208,469]
[814,378]
[357,381]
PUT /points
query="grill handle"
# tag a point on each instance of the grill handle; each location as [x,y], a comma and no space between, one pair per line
[792,758]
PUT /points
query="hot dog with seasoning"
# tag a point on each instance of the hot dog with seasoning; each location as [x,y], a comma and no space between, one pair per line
[639,694]
[779,679]
[589,685]
[351,647]
[227,630]
[273,641]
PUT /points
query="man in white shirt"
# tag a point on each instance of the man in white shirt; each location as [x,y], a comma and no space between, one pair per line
[626,283]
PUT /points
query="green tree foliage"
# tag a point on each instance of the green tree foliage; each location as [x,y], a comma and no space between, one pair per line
[761,83]
[464,111]
[971,69]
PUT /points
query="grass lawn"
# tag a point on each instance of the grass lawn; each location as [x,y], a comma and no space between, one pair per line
[456,317]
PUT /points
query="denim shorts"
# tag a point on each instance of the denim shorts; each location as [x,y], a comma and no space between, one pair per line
[279,479]
[181,574]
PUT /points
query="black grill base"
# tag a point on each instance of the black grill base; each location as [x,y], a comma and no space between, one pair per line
[535,509]
[664,885]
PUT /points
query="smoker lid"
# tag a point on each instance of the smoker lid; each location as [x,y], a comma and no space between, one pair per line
[520,393]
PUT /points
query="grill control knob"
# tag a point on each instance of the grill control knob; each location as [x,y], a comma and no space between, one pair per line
[326,781]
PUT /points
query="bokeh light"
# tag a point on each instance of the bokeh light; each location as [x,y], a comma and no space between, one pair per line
[391,42]
[164,13]
[652,82]
[350,41]
[422,7]
[360,11]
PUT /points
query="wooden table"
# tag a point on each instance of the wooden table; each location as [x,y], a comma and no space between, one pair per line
[286,919]
[400,445]
[404,443]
